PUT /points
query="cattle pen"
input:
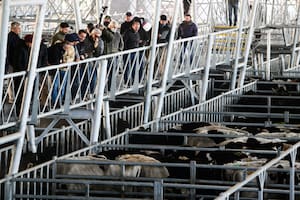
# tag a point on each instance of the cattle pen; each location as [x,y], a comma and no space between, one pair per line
[44,182]
[201,108]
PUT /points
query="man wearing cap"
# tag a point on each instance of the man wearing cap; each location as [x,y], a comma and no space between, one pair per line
[125,26]
[163,30]
[60,35]
[74,40]
[61,52]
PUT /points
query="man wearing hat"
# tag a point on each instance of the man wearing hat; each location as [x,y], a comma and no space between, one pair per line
[64,28]
[125,26]
[163,30]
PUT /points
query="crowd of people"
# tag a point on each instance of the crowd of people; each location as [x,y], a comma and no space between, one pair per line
[96,40]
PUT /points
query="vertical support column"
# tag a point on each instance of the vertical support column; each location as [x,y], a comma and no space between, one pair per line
[29,85]
[268,64]
[261,185]
[107,119]
[210,14]
[285,14]
[238,47]
[158,110]
[133,6]
[292,173]
[78,21]
[152,62]
[158,190]
[211,38]
[3,42]
[296,39]
[248,46]
[99,102]
[99,4]
[108,3]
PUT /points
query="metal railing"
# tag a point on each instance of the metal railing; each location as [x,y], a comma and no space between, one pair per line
[261,175]
[215,104]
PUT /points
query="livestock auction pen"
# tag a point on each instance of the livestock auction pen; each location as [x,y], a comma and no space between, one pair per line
[188,179]
[213,116]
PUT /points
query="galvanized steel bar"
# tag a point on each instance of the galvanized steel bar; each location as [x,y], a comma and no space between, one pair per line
[248,44]
[5,4]
[158,190]
[268,64]
[78,21]
[106,114]
[150,71]
[99,103]
[33,60]
[238,47]
[158,110]
[295,42]
[292,174]
[99,4]
[26,3]
[257,173]
[205,78]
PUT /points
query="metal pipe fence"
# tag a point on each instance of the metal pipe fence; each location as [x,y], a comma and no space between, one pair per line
[215,104]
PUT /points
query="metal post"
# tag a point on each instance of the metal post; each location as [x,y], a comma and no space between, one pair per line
[296,38]
[158,110]
[3,43]
[99,4]
[99,102]
[107,119]
[152,62]
[261,183]
[78,21]
[133,6]
[29,84]
[248,46]
[109,7]
[8,190]
[292,174]
[211,38]
[238,48]
[268,64]
[209,16]
[31,134]
[158,190]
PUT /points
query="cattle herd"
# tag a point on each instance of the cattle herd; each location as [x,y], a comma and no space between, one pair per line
[203,154]
[192,160]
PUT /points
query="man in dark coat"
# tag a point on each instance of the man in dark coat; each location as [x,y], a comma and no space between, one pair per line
[187,28]
[13,42]
[164,30]
[132,40]
[125,26]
